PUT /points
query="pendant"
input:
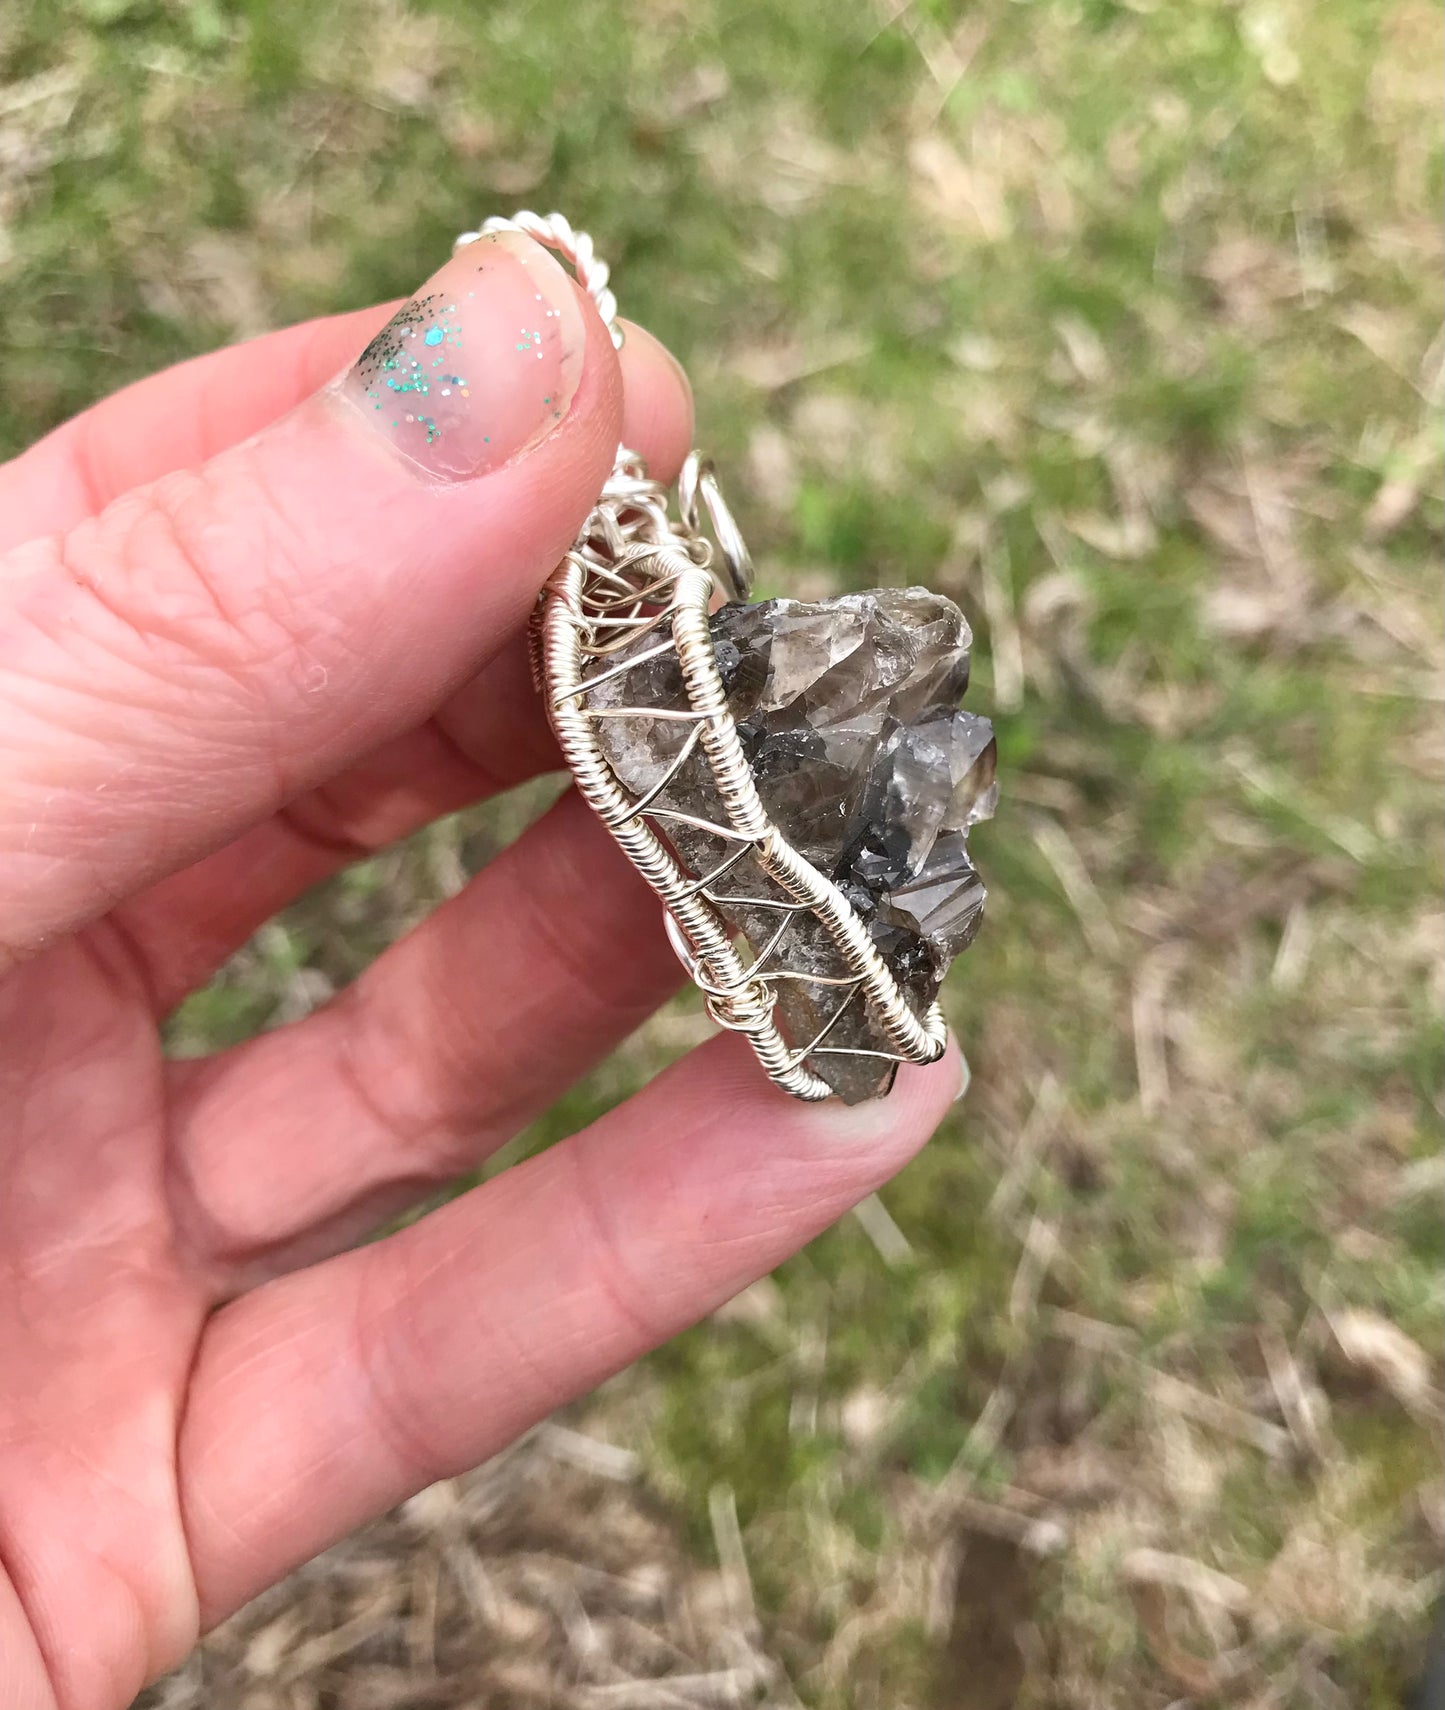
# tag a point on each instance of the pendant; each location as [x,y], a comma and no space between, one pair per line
[795,779]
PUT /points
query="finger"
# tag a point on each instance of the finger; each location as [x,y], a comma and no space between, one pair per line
[183,416]
[305,1138]
[329,1395]
[491,735]
[214,644]
[176,419]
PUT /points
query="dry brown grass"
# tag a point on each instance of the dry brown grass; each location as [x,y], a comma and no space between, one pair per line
[541,1581]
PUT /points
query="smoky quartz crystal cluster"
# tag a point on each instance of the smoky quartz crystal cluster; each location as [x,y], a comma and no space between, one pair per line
[847,709]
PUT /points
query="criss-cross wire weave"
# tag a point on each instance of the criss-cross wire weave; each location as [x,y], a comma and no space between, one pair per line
[633,573]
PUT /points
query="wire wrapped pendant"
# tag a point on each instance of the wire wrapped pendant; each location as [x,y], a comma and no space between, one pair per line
[683,713]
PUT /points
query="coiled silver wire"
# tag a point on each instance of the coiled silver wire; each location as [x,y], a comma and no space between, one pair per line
[634,571]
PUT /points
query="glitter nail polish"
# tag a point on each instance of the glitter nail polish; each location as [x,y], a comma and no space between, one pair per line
[479,365]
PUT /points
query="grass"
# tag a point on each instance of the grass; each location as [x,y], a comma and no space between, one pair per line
[1123,325]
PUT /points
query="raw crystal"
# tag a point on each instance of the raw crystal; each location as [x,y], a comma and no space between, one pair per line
[848,712]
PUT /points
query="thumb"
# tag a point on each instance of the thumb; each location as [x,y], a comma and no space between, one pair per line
[210,644]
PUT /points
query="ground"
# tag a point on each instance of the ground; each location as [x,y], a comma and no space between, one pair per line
[1122,324]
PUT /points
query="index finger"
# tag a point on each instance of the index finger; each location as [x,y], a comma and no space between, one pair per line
[321,1399]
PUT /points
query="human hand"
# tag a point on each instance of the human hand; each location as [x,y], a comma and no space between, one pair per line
[250,631]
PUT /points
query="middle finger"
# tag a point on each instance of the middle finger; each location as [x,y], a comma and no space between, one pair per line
[293,1145]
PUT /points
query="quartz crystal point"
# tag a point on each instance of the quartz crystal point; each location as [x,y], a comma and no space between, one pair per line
[848,713]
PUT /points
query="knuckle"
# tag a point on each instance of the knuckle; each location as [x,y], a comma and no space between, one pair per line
[197,564]
[628,1298]
[185,606]
[385,1343]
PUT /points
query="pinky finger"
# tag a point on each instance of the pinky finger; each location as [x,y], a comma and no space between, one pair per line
[327,1396]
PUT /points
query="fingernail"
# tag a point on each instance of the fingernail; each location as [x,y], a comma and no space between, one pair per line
[916,1086]
[965,1075]
[479,365]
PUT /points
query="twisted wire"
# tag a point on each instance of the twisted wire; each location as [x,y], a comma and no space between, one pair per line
[634,572]
[555,231]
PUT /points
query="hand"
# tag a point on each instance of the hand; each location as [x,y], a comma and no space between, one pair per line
[250,631]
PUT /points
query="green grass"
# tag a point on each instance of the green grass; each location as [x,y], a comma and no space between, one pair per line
[1118,323]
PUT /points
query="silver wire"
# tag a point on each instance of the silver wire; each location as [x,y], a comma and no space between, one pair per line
[634,571]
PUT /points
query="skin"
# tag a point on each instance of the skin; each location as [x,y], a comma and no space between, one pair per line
[243,642]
